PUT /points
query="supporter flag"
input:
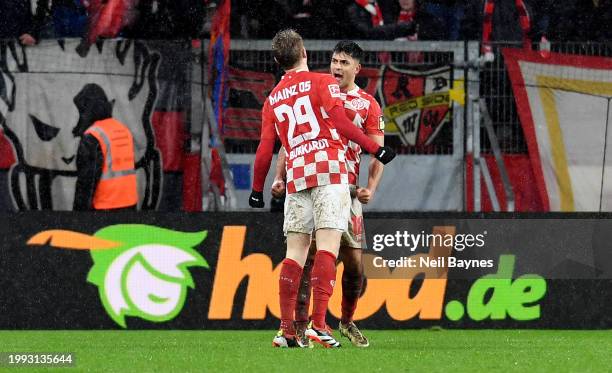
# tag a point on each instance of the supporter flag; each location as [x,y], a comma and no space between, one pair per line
[107,18]
[564,106]
[219,58]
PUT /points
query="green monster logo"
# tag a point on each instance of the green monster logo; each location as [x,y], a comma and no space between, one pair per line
[140,270]
[515,298]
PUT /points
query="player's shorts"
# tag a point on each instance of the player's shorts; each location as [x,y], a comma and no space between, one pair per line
[355,234]
[327,206]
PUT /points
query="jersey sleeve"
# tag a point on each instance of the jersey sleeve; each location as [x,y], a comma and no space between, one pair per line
[375,122]
[329,92]
[268,131]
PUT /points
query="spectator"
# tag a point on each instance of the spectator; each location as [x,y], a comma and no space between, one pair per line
[106,176]
[429,26]
[590,20]
[16,21]
[62,18]
[506,19]
[108,17]
[366,21]
[261,19]
[604,11]
[449,12]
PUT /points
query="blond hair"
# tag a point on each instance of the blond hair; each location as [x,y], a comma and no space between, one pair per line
[287,46]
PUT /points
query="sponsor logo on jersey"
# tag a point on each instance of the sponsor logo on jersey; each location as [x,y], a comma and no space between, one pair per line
[334,90]
[381,123]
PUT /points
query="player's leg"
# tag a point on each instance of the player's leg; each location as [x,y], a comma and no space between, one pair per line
[331,209]
[323,275]
[303,299]
[352,279]
[298,227]
[352,283]
[353,241]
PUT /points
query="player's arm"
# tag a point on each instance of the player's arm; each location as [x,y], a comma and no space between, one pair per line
[374,126]
[329,94]
[263,159]
[347,129]
[375,172]
[278,186]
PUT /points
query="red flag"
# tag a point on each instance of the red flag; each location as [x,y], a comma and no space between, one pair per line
[107,19]
[218,55]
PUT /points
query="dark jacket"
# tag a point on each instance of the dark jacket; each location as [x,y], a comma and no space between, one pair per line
[173,19]
[69,17]
[580,20]
[360,23]
[506,21]
[15,18]
[429,27]
[89,162]
[93,105]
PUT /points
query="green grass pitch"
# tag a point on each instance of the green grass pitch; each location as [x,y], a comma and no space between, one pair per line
[389,351]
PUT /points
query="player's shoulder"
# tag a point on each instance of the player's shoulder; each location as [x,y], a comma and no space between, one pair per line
[366,96]
[322,77]
[361,99]
[283,83]
[326,82]
[280,85]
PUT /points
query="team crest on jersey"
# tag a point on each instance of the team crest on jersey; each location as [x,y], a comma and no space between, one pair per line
[359,103]
[416,103]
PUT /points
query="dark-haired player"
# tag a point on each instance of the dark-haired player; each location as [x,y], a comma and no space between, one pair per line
[306,111]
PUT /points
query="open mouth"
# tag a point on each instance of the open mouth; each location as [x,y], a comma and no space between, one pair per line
[337,76]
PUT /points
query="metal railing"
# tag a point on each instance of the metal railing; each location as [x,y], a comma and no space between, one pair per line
[255,55]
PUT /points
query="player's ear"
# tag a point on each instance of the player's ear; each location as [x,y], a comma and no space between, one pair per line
[303,52]
[357,68]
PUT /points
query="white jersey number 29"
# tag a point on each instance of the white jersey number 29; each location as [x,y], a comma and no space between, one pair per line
[301,113]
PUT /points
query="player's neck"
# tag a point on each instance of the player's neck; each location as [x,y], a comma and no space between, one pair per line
[349,87]
[300,67]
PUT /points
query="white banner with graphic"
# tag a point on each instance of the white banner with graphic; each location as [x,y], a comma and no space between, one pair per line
[44,121]
[564,108]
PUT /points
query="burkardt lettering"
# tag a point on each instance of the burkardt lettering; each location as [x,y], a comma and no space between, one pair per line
[308,148]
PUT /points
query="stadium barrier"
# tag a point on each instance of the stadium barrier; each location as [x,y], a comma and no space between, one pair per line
[445,158]
[220,271]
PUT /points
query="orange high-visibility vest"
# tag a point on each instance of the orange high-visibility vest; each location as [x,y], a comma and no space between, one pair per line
[117,185]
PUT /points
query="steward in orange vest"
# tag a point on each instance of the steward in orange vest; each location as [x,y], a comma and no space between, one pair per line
[105,158]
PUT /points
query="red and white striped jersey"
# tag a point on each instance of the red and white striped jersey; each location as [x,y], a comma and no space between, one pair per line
[365,112]
[297,109]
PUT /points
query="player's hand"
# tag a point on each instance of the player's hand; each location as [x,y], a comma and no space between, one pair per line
[385,154]
[256,200]
[364,195]
[278,189]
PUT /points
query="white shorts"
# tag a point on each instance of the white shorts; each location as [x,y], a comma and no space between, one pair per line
[327,206]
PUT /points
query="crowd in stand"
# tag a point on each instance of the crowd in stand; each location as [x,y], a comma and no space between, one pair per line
[32,20]
[558,20]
